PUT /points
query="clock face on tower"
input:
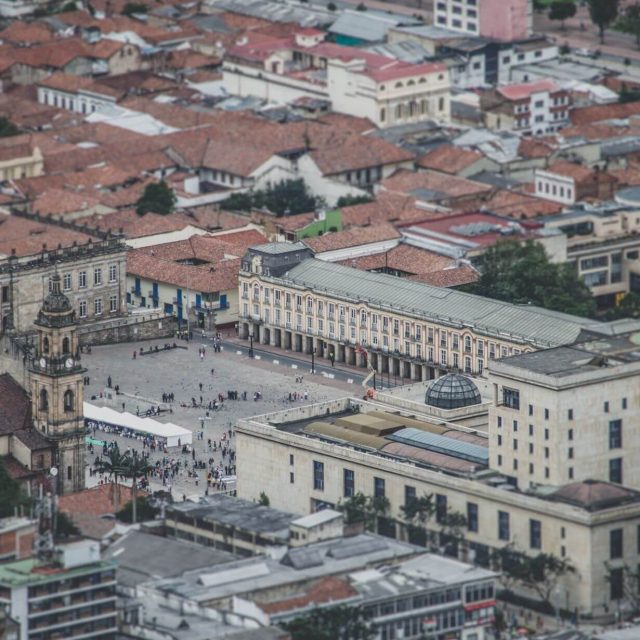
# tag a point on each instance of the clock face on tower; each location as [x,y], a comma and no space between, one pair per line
[43,363]
[68,363]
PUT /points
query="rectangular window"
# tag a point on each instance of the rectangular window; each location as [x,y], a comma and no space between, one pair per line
[66,282]
[291,477]
[82,312]
[511,398]
[546,414]
[291,459]
[441,508]
[503,526]
[570,414]
[472,516]
[535,534]
[616,584]
[378,487]
[530,409]
[570,434]
[349,483]
[97,276]
[615,470]
[97,305]
[113,304]
[530,429]
[82,279]
[624,403]
[113,273]
[409,494]
[606,406]
[615,544]
[318,475]
[615,434]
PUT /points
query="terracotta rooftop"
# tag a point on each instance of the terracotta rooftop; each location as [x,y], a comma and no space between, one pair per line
[324,591]
[601,112]
[62,201]
[513,204]
[526,89]
[352,238]
[27,237]
[442,185]
[594,495]
[15,406]
[97,501]
[448,158]
[579,172]
[451,277]
[19,32]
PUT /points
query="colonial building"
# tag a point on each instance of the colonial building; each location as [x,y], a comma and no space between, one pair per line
[92,271]
[409,329]
[42,425]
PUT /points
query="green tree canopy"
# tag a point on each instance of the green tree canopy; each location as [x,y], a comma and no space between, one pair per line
[522,273]
[11,494]
[114,465]
[349,201]
[134,7]
[135,467]
[603,13]
[561,10]
[7,128]
[287,197]
[365,509]
[333,623]
[629,307]
[144,511]
[158,197]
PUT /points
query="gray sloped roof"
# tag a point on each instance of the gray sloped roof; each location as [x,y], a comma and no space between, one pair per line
[362,25]
[528,324]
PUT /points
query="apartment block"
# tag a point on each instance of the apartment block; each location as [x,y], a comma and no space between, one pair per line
[72,598]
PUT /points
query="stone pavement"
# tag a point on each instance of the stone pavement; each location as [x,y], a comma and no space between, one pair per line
[180,371]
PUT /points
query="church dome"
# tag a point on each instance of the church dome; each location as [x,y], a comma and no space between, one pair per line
[452,391]
[56,308]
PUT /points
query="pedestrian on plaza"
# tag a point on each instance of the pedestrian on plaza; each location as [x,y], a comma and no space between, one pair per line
[201,386]
[109,382]
[135,354]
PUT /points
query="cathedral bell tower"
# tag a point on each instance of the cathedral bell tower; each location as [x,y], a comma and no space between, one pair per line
[56,381]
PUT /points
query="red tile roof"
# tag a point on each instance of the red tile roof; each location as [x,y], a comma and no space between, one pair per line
[15,406]
[524,90]
[352,238]
[449,159]
[406,182]
[97,501]
[601,112]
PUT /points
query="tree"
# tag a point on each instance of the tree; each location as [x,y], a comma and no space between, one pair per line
[333,623]
[629,307]
[350,201]
[364,509]
[603,13]
[132,8]
[287,197]
[11,495]
[630,22]
[417,512]
[7,128]
[135,467]
[65,526]
[361,7]
[264,499]
[114,464]
[628,581]
[158,197]
[144,507]
[561,10]
[331,6]
[521,273]
[540,573]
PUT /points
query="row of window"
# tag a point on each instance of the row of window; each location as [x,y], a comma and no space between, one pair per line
[554,190]
[98,306]
[67,281]
[615,466]
[511,399]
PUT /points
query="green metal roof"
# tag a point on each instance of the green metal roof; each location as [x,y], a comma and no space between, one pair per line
[26,572]
[520,323]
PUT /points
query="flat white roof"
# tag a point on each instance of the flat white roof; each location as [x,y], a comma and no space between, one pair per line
[317,518]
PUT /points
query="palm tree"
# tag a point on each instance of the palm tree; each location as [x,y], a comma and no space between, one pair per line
[135,467]
[114,465]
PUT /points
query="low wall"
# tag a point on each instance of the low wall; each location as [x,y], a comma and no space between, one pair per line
[129,330]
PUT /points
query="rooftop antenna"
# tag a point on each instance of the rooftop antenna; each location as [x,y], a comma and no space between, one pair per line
[45,511]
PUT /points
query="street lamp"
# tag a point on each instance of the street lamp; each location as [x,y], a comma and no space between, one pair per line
[251,345]
[313,362]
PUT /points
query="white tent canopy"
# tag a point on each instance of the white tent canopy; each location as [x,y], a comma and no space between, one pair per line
[100,417]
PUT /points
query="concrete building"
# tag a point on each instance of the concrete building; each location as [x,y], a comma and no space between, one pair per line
[566,414]
[20,158]
[603,243]
[396,446]
[408,329]
[569,182]
[534,108]
[75,597]
[386,91]
[497,19]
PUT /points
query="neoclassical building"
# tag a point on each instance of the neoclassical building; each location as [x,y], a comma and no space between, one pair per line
[406,329]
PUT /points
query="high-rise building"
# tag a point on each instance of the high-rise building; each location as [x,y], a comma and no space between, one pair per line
[500,19]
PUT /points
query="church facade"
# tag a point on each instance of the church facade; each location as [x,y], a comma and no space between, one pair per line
[41,424]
